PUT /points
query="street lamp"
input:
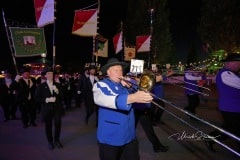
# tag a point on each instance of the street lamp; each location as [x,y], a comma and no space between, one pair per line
[43,55]
[151,11]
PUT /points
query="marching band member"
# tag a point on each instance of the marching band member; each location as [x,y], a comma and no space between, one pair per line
[26,87]
[228,86]
[158,90]
[192,90]
[49,95]
[116,132]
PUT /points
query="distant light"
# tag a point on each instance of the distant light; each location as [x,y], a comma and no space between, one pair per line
[43,55]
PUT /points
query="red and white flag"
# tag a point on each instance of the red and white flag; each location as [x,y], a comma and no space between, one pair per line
[143,43]
[117,42]
[129,53]
[85,23]
[44,12]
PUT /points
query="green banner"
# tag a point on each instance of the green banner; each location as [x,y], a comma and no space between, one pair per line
[28,42]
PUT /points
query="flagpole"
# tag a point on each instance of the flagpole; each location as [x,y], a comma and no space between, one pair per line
[151,32]
[122,41]
[95,40]
[54,30]
[94,49]
[9,41]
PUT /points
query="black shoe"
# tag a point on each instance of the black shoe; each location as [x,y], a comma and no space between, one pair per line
[50,145]
[58,144]
[209,145]
[160,149]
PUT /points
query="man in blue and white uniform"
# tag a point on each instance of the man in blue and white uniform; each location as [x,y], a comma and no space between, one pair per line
[116,132]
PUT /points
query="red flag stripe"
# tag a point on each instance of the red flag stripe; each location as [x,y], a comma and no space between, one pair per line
[44,12]
[140,40]
[117,42]
[38,5]
[81,17]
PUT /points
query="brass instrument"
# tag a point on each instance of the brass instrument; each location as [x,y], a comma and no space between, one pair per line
[148,79]
[205,91]
[146,83]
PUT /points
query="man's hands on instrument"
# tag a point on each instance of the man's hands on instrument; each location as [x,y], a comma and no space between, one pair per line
[125,83]
[128,82]
[140,97]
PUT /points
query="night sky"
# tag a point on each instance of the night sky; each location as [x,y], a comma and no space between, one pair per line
[75,50]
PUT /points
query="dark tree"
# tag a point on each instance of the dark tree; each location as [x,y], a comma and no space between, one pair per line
[138,23]
[192,55]
[220,24]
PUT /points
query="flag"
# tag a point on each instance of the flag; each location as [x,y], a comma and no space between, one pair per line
[44,12]
[117,42]
[143,43]
[129,53]
[102,46]
[85,23]
[28,41]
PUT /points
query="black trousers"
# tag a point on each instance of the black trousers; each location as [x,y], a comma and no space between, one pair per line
[128,151]
[51,118]
[193,102]
[90,106]
[143,117]
[28,112]
[68,98]
[157,112]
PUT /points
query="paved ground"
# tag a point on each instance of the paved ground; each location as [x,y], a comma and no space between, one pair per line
[79,139]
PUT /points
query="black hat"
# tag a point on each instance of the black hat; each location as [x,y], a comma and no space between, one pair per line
[47,69]
[92,67]
[112,62]
[232,57]
[25,69]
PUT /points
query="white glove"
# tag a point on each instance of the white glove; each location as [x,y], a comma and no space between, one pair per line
[79,92]
[17,78]
[51,99]
[54,88]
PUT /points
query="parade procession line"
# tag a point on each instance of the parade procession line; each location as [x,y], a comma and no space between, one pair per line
[79,139]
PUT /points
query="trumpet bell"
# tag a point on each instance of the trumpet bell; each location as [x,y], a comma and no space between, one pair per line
[147,81]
